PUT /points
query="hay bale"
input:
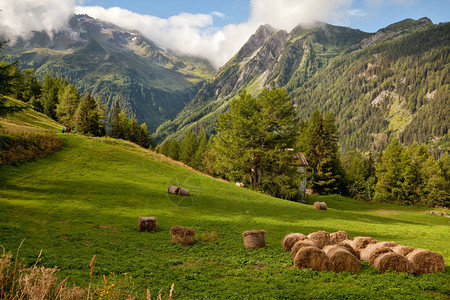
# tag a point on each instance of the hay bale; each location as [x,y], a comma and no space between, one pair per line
[301,244]
[348,244]
[366,252]
[403,250]
[387,244]
[254,239]
[377,252]
[183,192]
[173,190]
[425,261]
[341,259]
[147,224]
[182,235]
[312,258]
[361,242]
[392,261]
[321,238]
[338,236]
[320,205]
[290,239]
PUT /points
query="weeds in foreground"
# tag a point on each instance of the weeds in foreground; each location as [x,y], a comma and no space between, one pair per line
[18,282]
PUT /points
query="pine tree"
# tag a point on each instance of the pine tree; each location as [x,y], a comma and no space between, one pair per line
[116,124]
[67,106]
[49,96]
[197,162]
[252,141]
[188,148]
[144,138]
[88,117]
[173,150]
[389,174]
[133,133]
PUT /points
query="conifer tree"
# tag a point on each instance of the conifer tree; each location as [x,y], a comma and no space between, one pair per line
[88,117]
[197,162]
[116,124]
[188,148]
[133,133]
[67,106]
[144,138]
[173,150]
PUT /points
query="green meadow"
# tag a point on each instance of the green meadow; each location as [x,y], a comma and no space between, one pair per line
[85,200]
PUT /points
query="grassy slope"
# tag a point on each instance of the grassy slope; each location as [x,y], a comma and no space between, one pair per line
[59,203]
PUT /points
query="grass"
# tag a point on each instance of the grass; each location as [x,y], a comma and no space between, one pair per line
[85,200]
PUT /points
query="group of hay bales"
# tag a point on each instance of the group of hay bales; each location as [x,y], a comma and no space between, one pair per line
[180,235]
[336,252]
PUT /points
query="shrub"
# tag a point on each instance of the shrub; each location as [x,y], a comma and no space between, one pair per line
[19,147]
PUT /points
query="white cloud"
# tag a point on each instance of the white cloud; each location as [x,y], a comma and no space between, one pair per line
[20,17]
[186,33]
[357,13]
[195,34]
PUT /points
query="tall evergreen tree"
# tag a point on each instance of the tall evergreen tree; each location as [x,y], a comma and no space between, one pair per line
[188,147]
[252,139]
[144,139]
[133,133]
[173,150]
[88,117]
[116,123]
[67,106]
[197,162]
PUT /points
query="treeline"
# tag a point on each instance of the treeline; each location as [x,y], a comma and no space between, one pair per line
[258,138]
[374,92]
[62,102]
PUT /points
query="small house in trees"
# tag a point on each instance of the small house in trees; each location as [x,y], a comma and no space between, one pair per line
[302,163]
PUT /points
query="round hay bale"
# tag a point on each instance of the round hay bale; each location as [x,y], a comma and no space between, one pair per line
[290,239]
[366,252]
[301,244]
[182,235]
[254,239]
[147,224]
[183,192]
[361,242]
[348,244]
[392,261]
[425,261]
[312,258]
[338,236]
[342,260]
[387,244]
[173,189]
[320,205]
[377,252]
[403,250]
[321,238]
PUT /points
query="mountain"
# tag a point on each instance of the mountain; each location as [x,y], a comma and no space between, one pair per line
[151,84]
[377,85]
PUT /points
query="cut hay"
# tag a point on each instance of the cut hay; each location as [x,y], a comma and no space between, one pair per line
[403,250]
[254,239]
[173,190]
[338,236]
[341,259]
[376,253]
[302,244]
[361,242]
[392,261]
[387,244]
[371,248]
[348,244]
[290,239]
[178,191]
[182,235]
[425,261]
[320,205]
[312,258]
[321,238]
[147,224]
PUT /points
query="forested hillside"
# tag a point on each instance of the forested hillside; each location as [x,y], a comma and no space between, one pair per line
[391,83]
[114,64]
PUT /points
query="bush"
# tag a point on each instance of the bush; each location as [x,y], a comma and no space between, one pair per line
[18,147]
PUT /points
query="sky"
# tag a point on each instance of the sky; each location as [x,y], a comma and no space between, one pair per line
[213,29]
